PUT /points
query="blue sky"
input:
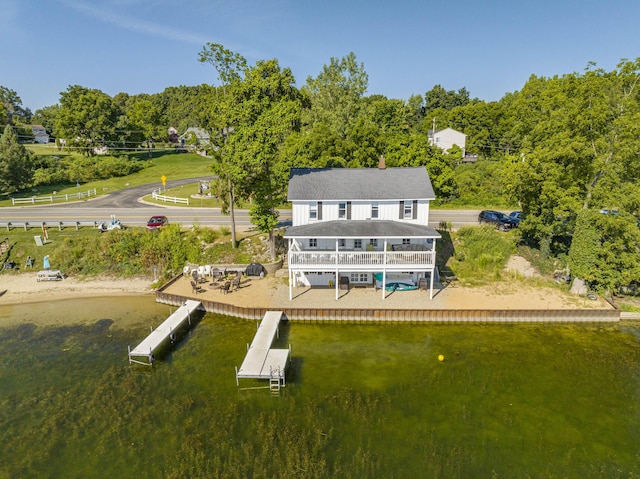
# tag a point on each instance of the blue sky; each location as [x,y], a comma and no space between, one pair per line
[490,47]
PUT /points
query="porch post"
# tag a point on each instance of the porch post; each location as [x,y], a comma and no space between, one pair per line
[431,284]
[337,272]
[289,272]
[384,269]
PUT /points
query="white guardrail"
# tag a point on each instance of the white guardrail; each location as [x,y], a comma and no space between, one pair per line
[50,199]
[168,199]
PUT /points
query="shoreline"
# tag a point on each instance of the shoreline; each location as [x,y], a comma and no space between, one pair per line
[23,288]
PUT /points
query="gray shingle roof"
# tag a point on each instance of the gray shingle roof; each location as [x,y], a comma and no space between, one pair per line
[361,229]
[318,184]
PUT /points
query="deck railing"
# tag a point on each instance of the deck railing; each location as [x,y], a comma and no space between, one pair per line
[366,258]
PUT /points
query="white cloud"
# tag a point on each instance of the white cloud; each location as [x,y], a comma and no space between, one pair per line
[132,23]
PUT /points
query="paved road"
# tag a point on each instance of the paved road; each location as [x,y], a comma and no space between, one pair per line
[125,205]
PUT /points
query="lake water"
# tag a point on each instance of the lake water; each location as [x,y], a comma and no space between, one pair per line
[362,401]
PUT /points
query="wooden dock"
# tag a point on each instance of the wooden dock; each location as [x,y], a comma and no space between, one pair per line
[166,330]
[262,362]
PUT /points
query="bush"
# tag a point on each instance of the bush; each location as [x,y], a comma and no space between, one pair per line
[129,252]
[482,252]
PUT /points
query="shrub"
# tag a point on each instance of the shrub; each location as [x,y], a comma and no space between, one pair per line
[482,252]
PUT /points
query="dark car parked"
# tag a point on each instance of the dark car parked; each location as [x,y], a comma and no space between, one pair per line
[156,222]
[499,220]
[516,216]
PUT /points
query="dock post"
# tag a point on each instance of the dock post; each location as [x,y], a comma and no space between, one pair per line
[237,382]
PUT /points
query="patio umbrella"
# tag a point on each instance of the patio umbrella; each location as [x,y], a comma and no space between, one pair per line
[46,262]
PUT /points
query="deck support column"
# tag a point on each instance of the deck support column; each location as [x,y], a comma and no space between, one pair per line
[431,284]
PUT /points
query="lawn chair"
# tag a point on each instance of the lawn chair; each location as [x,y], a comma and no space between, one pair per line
[207,271]
[216,274]
[225,287]
[235,283]
[194,287]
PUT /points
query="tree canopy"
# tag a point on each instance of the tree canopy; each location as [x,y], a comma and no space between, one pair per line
[564,149]
[16,163]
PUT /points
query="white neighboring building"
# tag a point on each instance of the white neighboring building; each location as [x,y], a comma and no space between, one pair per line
[361,226]
[40,134]
[447,138]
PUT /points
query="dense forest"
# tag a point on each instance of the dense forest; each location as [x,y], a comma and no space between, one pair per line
[565,150]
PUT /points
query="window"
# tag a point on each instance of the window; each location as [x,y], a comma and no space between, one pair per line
[313,211]
[408,209]
[313,242]
[342,243]
[359,277]
[374,242]
[357,244]
[406,240]
[342,211]
[374,210]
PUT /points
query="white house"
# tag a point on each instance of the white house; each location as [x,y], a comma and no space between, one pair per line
[363,227]
[445,139]
[195,136]
[40,134]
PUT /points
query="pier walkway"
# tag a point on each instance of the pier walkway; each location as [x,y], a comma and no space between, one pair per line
[166,330]
[262,362]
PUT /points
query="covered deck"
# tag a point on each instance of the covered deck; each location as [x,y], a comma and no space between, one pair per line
[394,247]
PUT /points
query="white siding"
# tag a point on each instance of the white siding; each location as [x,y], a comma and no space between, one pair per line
[360,210]
[445,139]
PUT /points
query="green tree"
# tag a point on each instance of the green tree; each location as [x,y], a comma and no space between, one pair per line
[438,97]
[46,117]
[579,143]
[265,107]
[143,119]
[222,118]
[335,94]
[11,109]
[16,163]
[87,118]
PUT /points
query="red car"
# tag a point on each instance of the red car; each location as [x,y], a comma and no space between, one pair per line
[156,222]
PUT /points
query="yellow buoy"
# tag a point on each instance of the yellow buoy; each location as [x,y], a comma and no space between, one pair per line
[441,358]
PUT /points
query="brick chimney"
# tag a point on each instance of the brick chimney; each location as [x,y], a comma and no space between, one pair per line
[381,165]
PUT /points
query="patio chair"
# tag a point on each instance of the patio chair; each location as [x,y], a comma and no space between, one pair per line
[207,270]
[216,274]
[225,287]
[194,287]
[235,283]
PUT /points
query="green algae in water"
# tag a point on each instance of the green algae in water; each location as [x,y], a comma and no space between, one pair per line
[361,401]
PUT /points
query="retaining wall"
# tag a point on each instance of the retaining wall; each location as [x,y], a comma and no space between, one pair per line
[480,316]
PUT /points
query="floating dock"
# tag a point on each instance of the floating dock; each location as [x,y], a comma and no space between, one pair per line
[262,362]
[166,330]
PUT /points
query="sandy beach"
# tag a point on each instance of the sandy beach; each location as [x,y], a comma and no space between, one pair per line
[24,288]
[273,292]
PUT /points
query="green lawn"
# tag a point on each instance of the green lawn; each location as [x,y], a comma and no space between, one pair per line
[173,166]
